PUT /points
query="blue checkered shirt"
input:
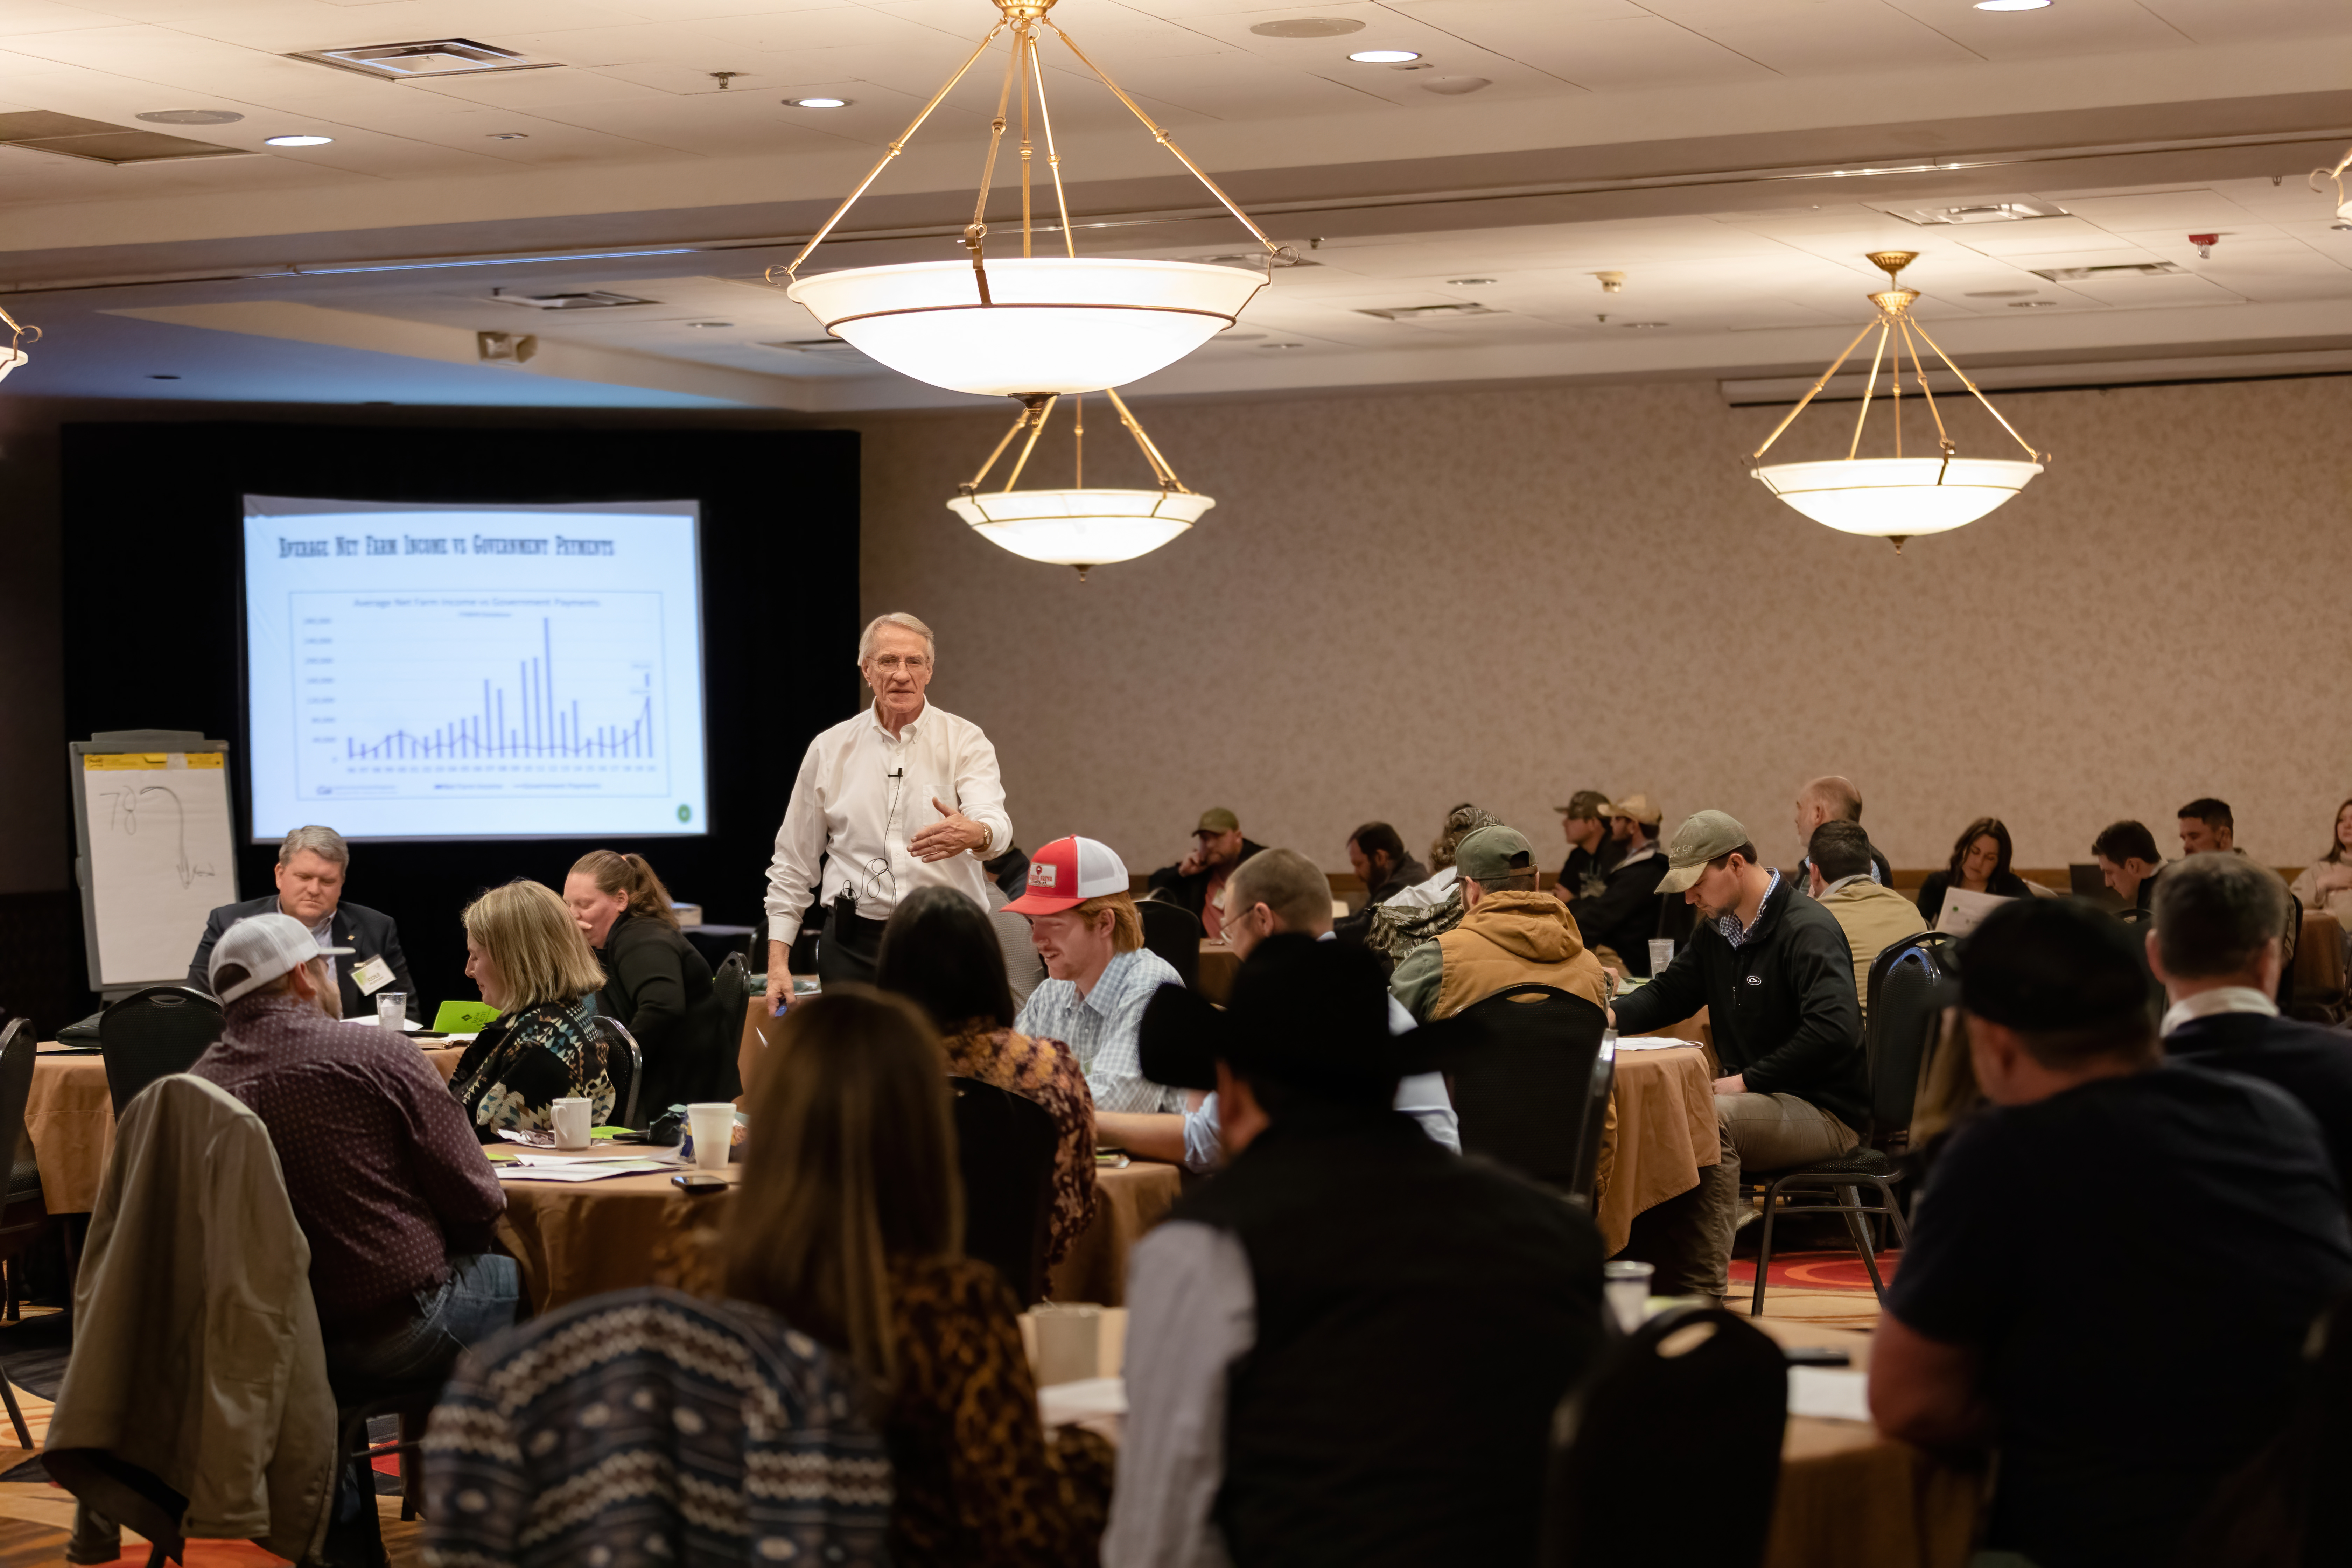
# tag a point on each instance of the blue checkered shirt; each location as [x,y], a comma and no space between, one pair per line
[1101,1028]
[1729,922]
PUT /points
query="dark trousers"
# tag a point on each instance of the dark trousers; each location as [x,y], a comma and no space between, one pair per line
[848,948]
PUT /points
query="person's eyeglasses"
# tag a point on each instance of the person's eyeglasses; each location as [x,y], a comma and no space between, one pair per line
[890,664]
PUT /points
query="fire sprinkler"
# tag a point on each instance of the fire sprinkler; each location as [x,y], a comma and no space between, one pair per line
[2204,244]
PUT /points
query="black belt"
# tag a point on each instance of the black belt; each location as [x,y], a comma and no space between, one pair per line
[845,923]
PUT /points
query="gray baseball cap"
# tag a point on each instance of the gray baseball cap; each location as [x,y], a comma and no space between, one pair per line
[1491,853]
[1699,840]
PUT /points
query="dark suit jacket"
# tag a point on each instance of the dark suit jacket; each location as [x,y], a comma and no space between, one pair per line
[2311,1063]
[372,935]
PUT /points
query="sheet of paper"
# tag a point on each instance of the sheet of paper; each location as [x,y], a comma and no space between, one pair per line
[1655,1043]
[579,1170]
[1962,909]
[408,1025]
[1064,1403]
[1831,1392]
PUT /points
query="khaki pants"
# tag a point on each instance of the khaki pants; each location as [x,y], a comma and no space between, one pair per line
[1688,1238]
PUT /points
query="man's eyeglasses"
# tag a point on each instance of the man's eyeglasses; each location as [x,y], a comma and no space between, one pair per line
[890,664]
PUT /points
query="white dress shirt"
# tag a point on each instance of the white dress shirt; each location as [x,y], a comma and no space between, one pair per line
[2221,999]
[862,795]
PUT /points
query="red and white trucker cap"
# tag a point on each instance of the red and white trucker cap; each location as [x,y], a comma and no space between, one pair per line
[1066,873]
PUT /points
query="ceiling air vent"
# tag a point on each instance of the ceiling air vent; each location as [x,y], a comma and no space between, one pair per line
[73,137]
[429,58]
[586,300]
[1978,212]
[1430,312]
[2121,270]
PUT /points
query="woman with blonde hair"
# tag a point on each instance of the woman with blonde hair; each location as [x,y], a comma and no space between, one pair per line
[656,983]
[848,1222]
[532,964]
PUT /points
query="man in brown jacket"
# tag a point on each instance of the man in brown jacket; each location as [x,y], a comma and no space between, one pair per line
[1511,935]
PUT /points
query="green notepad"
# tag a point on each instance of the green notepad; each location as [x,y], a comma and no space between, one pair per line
[463,1018]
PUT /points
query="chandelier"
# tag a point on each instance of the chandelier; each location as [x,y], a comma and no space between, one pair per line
[18,336]
[1017,326]
[1078,527]
[1898,497]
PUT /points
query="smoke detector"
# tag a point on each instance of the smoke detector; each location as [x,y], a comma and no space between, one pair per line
[1612,282]
[426,57]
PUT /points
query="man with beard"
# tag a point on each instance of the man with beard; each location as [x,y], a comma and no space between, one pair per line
[1776,975]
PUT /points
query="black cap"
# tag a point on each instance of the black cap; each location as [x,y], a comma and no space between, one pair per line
[1313,1015]
[2039,965]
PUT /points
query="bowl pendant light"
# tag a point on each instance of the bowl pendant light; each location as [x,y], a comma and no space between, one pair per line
[1078,527]
[18,336]
[1032,324]
[1898,497]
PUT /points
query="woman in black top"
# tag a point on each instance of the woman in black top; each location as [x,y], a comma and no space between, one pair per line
[1979,864]
[532,964]
[656,983]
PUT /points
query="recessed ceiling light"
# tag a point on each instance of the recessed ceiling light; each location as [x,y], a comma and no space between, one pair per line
[297,141]
[816,103]
[1308,28]
[710,323]
[1643,326]
[2029,304]
[1467,282]
[2011,5]
[190,117]
[1384,56]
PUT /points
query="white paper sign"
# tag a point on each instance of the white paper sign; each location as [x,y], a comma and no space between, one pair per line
[1963,909]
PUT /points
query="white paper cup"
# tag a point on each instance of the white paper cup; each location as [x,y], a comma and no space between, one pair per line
[392,1010]
[1662,953]
[1627,1288]
[573,1116]
[712,1123]
[1069,1342]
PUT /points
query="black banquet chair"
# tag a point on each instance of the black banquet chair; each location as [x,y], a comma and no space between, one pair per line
[1911,983]
[624,1063]
[152,1034]
[1523,1087]
[1173,932]
[1005,1146]
[1683,1423]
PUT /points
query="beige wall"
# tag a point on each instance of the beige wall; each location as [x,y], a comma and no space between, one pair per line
[1403,601]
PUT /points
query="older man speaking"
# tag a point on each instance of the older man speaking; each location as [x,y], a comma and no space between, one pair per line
[901,796]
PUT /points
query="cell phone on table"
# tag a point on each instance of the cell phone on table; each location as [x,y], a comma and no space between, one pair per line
[697,1182]
[1817,1355]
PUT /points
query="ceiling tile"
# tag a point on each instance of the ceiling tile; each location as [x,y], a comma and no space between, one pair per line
[2241,21]
[1804,37]
[2067,27]
[2039,235]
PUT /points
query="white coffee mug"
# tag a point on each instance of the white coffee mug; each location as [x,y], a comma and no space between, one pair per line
[1069,1342]
[712,1123]
[572,1117]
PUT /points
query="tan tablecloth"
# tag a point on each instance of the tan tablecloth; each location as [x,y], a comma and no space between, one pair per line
[1126,1203]
[1218,962]
[1852,1499]
[69,1116]
[1662,1130]
[581,1238]
[576,1239]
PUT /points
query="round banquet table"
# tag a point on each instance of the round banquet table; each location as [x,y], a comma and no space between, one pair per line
[69,1117]
[1661,1129]
[575,1239]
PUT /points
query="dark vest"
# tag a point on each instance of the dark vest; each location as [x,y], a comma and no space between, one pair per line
[1418,1316]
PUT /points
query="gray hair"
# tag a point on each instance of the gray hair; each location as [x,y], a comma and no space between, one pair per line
[323,842]
[905,622]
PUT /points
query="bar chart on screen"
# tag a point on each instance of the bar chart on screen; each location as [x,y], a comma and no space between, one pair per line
[517,692]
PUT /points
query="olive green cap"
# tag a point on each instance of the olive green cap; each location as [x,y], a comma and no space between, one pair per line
[1699,840]
[1493,854]
[1217,819]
